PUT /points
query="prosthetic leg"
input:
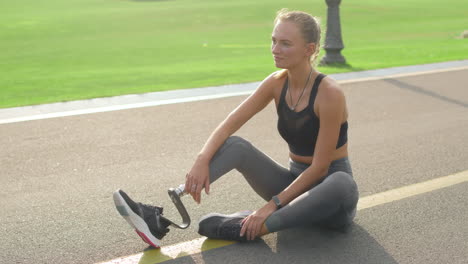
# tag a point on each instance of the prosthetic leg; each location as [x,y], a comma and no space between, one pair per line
[147,220]
[175,195]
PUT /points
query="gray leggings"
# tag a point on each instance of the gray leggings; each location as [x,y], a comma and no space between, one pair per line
[330,203]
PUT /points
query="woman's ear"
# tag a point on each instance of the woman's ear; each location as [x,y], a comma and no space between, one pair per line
[310,49]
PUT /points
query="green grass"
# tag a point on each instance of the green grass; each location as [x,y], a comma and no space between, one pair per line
[55,50]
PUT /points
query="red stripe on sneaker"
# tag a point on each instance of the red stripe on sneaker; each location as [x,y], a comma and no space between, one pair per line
[146,239]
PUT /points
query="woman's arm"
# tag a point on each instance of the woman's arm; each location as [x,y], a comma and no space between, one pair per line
[199,174]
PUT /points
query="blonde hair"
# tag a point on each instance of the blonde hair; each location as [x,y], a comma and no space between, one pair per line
[308,25]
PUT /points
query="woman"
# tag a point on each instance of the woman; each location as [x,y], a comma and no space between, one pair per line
[318,188]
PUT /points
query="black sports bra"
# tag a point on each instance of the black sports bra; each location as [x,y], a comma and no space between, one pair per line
[300,129]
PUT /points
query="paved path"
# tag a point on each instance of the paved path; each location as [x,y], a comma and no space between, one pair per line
[58,176]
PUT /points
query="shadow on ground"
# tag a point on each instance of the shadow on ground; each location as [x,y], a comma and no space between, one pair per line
[310,245]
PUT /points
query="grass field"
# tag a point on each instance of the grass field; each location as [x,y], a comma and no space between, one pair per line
[54,50]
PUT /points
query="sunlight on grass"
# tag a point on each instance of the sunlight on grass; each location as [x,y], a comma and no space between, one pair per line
[67,50]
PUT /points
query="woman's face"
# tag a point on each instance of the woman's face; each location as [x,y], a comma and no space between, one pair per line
[288,47]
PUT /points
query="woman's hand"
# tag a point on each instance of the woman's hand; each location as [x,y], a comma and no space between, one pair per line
[252,224]
[197,179]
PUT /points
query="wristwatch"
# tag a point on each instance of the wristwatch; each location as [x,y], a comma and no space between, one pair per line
[277,202]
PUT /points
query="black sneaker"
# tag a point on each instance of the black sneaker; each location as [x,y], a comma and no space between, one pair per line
[226,227]
[147,220]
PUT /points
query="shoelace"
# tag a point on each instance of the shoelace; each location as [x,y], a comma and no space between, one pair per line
[153,214]
[148,207]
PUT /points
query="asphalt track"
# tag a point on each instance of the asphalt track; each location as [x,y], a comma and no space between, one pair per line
[58,176]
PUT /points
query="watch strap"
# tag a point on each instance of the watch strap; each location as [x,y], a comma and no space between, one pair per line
[277,202]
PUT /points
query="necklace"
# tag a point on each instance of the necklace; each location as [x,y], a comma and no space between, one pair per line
[302,93]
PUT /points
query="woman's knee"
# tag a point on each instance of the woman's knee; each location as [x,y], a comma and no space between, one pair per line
[235,140]
[341,178]
[230,155]
[344,185]
[238,144]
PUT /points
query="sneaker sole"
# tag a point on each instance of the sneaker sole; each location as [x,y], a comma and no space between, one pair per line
[135,221]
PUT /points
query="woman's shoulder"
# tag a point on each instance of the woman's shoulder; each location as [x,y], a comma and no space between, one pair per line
[274,81]
[280,75]
[277,76]
[330,95]
[329,87]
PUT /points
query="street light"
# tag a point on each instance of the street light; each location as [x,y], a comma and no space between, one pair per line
[333,41]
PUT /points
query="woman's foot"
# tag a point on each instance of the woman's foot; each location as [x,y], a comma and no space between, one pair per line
[147,220]
[226,227]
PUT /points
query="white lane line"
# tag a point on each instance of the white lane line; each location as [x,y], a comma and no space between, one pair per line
[198,245]
[38,112]
[118,107]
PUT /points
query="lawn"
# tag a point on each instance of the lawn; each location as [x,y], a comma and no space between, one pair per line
[54,50]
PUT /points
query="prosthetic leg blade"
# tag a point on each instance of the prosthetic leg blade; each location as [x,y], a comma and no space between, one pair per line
[175,195]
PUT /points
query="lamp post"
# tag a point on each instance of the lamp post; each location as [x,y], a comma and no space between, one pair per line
[333,41]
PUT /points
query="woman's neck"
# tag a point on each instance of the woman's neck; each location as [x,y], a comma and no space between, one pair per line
[297,76]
